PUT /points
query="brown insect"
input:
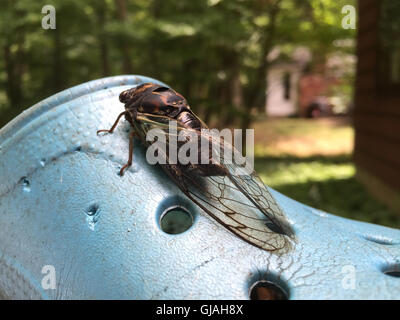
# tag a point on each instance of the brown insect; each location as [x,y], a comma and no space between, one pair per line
[236,199]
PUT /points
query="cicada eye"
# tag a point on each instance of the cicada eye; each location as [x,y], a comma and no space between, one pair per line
[125,95]
[122,97]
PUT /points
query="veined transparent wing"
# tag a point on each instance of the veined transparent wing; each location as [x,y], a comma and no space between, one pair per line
[232,195]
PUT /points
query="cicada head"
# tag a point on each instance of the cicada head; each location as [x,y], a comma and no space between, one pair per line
[131,95]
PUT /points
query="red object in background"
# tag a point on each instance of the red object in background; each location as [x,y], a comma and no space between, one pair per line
[312,88]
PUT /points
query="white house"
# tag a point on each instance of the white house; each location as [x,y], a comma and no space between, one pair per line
[283,79]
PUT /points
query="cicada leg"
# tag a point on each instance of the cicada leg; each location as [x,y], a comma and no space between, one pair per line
[129,163]
[111,130]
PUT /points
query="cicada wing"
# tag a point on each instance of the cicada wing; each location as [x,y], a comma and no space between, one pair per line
[246,180]
[240,202]
[227,204]
[257,192]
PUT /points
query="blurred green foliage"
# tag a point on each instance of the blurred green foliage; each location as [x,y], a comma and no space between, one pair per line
[293,161]
[325,183]
[213,51]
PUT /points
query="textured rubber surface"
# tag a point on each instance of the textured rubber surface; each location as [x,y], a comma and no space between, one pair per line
[63,204]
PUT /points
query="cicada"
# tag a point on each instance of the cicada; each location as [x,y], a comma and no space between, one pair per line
[237,199]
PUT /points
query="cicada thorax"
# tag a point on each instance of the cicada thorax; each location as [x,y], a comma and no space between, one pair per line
[150,98]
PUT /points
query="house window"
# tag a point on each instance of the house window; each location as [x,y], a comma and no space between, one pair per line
[286,86]
[389,54]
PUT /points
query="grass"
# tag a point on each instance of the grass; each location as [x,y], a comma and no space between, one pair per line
[310,161]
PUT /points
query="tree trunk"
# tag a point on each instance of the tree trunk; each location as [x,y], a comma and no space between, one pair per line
[102,37]
[14,72]
[59,76]
[234,87]
[258,95]
[125,50]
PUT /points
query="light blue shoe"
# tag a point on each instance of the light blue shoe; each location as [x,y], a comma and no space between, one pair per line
[72,228]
